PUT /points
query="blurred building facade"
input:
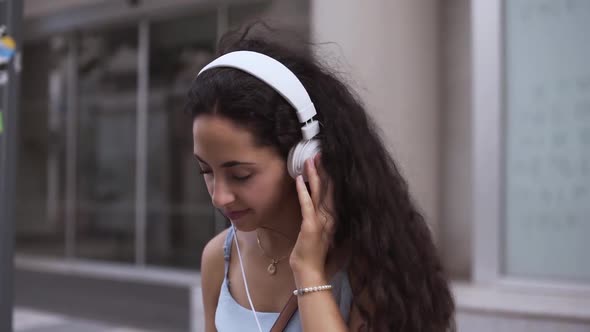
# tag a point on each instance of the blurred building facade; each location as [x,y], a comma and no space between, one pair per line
[112,215]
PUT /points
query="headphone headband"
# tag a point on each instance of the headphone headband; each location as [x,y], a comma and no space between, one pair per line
[279,77]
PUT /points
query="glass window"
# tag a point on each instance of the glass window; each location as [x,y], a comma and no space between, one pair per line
[41,154]
[106,143]
[547,166]
[180,217]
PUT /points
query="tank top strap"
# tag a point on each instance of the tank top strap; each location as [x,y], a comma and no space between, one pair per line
[227,248]
[346,297]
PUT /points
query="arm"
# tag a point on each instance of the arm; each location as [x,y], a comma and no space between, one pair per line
[212,273]
[318,310]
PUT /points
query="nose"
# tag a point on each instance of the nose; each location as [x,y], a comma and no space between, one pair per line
[221,194]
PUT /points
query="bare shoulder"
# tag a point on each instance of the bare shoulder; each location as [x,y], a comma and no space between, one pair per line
[212,274]
[212,261]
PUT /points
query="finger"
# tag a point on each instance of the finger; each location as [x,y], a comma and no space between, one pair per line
[314,181]
[307,208]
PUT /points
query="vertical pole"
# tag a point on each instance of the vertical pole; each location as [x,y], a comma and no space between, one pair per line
[72,110]
[141,143]
[11,17]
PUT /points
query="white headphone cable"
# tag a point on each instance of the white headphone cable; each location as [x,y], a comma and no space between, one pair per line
[244,277]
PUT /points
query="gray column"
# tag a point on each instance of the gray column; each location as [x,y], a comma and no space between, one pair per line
[141,165]
[391,50]
[11,17]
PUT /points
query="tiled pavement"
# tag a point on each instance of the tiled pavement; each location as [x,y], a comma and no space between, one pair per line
[28,320]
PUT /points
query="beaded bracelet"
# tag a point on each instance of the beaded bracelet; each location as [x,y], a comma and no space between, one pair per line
[303,291]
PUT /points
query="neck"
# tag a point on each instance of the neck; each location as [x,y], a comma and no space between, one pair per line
[279,235]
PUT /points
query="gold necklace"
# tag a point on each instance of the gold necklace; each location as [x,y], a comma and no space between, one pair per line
[272,267]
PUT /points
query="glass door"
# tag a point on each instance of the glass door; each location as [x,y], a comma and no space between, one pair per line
[106,143]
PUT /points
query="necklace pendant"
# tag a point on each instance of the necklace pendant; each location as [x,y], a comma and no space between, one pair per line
[272,268]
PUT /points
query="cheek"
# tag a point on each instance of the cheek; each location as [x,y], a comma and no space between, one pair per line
[209,184]
[268,191]
[253,192]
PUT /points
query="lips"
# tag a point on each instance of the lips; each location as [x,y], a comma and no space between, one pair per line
[237,214]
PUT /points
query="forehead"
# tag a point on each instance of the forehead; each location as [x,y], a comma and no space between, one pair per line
[218,138]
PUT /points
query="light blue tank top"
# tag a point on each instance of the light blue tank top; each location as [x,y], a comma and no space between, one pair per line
[230,316]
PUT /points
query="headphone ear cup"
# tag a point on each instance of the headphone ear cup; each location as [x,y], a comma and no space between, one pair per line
[299,154]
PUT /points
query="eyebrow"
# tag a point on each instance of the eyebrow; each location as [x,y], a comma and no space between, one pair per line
[227,164]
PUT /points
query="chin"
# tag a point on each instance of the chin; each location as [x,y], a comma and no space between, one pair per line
[244,228]
[244,224]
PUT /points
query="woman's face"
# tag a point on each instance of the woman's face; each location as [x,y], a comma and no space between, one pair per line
[248,183]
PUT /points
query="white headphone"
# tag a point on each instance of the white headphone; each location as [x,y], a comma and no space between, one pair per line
[282,80]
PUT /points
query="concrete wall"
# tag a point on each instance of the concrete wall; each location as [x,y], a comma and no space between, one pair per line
[36,8]
[391,50]
[455,213]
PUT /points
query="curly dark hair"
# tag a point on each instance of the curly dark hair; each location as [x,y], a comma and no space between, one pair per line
[393,260]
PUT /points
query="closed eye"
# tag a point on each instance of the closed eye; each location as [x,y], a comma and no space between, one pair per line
[234,177]
[242,178]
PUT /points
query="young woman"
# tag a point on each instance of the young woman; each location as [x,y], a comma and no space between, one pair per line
[344,224]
